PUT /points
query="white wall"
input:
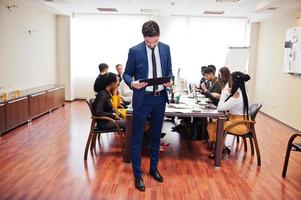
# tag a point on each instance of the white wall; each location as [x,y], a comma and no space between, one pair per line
[279,92]
[27,61]
[63,53]
[254,32]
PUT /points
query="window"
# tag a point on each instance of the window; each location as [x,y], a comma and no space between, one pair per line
[194,42]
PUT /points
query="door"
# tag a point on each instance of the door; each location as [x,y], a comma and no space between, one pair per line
[17,112]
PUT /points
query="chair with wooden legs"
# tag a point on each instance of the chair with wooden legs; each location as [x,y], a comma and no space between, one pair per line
[253,110]
[290,147]
[95,131]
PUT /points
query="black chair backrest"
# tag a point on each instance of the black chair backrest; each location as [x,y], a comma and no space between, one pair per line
[90,102]
[253,110]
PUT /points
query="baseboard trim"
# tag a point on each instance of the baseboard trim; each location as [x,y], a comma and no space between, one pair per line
[282,123]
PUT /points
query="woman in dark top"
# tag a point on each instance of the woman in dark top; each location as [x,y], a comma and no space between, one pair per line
[103,104]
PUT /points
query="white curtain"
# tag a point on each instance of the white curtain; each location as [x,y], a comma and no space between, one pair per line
[194,42]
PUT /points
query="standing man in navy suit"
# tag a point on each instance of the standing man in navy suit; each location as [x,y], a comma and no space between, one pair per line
[149,59]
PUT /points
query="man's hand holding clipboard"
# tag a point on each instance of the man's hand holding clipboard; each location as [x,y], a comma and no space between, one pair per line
[138,85]
[165,81]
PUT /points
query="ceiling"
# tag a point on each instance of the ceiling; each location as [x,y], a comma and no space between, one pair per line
[255,10]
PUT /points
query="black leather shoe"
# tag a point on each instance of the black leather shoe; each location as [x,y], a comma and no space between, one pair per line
[156,175]
[139,184]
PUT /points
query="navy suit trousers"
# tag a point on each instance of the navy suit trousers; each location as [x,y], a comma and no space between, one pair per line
[153,107]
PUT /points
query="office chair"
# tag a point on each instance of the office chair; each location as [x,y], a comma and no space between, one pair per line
[290,147]
[95,131]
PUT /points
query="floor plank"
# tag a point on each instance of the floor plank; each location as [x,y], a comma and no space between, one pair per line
[44,160]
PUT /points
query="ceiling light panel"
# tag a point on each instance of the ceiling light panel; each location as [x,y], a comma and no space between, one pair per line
[107,9]
[214,12]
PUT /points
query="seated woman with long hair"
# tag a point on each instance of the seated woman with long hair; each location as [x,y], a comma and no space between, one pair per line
[233,99]
[224,76]
[223,79]
[103,104]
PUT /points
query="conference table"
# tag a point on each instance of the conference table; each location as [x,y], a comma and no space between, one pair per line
[186,108]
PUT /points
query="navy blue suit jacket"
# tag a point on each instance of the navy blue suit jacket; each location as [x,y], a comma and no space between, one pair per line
[137,67]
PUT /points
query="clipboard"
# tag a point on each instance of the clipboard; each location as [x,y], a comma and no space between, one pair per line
[155,81]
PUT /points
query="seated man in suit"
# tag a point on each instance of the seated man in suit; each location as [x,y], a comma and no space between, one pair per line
[213,86]
[100,82]
[119,70]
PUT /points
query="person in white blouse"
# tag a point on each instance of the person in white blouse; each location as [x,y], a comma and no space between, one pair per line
[123,89]
[233,99]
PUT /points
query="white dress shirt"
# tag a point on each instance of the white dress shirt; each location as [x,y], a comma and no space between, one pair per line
[234,105]
[150,67]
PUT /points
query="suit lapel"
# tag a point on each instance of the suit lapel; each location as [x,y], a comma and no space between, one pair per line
[145,58]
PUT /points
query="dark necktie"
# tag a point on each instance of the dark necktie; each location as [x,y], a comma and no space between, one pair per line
[155,87]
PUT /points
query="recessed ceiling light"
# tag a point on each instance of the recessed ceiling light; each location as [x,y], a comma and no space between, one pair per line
[272,8]
[227,1]
[107,9]
[149,10]
[56,1]
[214,12]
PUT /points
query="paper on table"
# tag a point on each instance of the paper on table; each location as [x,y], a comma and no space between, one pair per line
[202,102]
[197,110]
[176,110]
[181,106]
[186,111]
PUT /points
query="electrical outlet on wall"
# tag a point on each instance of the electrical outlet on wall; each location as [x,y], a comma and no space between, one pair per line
[273,106]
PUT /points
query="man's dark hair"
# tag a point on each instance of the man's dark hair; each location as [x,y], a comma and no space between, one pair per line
[102,67]
[213,67]
[202,70]
[209,70]
[150,29]
[118,65]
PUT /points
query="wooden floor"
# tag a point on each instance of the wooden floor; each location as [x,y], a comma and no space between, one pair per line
[44,160]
